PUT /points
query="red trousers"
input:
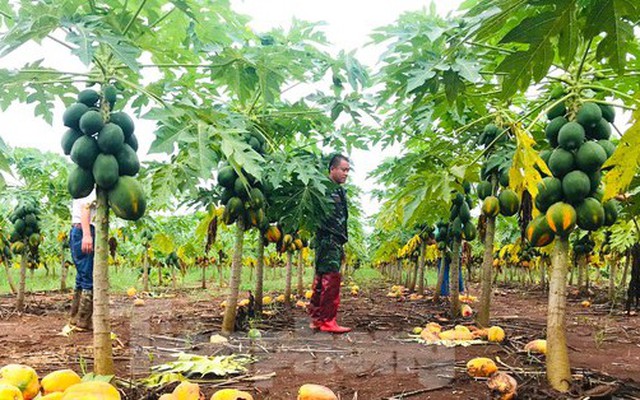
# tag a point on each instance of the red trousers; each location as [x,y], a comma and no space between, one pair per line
[326,297]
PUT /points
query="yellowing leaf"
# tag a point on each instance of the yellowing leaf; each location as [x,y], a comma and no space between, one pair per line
[523,175]
[624,161]
[163,243]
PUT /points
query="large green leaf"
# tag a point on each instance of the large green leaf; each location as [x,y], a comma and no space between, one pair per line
[623,164]
[539,32]
[615,18]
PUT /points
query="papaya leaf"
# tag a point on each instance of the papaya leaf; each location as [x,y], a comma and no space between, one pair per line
[81,36]
[203,225]
[623,163]
[523,174]
[238,152]
[609,16]
[163,243]
[534,63]
[26,29]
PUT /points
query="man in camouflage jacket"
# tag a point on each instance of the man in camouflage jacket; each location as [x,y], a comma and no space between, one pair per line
[330,239]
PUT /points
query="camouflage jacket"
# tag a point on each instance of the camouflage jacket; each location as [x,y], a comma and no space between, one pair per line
[335,224]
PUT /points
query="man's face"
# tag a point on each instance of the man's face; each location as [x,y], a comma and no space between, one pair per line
[339,173]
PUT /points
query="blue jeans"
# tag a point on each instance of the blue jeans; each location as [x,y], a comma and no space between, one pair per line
[83,261]
[445,281]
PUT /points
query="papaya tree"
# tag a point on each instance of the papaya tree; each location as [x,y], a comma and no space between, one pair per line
[25,240]
[109,40]
[571,42]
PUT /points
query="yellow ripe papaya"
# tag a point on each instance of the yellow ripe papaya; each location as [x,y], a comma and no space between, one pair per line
[9,392]
[537,346]
[59,381]
[495,334]
[461,328]
[93,390]
[187,391]
[481,367]
[433,327]
[315,392]
[266,300]
[453,334]
[23,377]
[168,396]
[429,336]
[273,234]
[504,384]
[231,394]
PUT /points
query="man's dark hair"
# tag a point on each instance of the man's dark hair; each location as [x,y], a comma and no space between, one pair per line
[336,159]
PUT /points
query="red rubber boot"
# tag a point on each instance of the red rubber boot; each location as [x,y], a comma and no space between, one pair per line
[333,327]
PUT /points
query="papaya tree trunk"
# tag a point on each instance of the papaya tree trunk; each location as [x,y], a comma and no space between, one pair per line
[174,280]
[259,276]
[300,275]
[22,283]
[613,271]
[414,276]
[454,276]
[484,313]
[204,274]
[103,357]
[64,270]
[557,364]
[220,274]
[585,265]
[543,274]
[423,262]
[580,269]
[398,272]
[407,278]
[7,270]
[287,287]
[229,320]
[442,262]
[145,270]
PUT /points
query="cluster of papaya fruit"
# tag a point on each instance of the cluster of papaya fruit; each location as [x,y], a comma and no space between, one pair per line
[460,225]
[5,249]
[583,245]
[490,133]
[527,254]
[507,201]
[573,194]
[103,146]
[25,235]
[292,242]
[242,196]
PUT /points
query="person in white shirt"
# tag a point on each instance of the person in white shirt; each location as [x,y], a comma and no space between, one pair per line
[81,242]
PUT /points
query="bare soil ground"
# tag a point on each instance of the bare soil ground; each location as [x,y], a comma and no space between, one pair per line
[378,360]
